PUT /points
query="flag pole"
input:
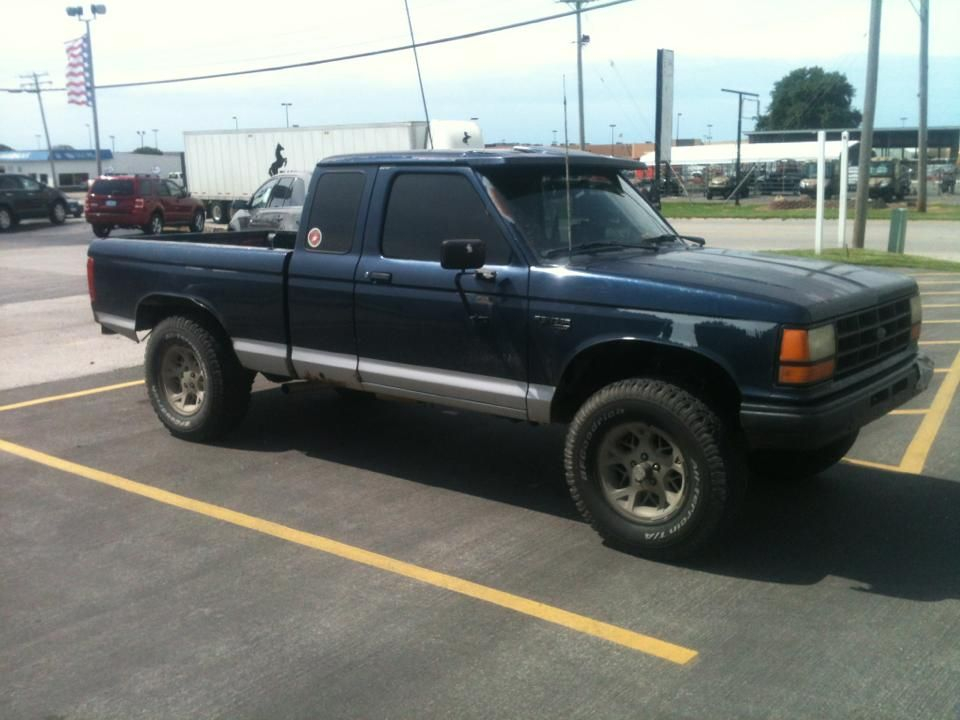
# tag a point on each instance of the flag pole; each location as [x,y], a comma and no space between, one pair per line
[93,101]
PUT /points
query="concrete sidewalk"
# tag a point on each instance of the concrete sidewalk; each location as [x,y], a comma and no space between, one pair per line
[932,238]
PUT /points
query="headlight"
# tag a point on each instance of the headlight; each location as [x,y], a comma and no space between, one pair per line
[807,356]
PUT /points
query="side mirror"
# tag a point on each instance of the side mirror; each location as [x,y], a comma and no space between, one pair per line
[240,205]
[463,254]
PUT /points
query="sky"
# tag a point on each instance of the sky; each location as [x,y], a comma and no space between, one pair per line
[512,81]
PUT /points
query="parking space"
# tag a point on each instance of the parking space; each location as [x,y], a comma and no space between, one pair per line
[379,559]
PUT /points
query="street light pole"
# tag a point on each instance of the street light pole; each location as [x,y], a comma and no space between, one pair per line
[739,94]
[236,123]
[581,41]
[612,143]
[709,132]
[156,143]
[286,112]
[113,143]
[679,115]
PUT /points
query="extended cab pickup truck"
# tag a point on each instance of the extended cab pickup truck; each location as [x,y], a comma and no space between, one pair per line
[538,287]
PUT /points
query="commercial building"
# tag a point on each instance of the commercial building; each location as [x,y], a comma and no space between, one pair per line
[75,167]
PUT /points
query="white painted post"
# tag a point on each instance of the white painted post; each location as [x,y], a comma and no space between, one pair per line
[821,186]
[842,196]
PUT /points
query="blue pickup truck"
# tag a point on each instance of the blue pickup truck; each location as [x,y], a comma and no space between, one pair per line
[539,287]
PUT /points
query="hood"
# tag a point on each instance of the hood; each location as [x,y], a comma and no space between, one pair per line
[721,180]
[727,283]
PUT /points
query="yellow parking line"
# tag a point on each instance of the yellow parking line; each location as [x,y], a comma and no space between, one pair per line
[68,396]
[948,305]
[940,342]
[941,370]
[942,292]
[573,621]
[934,274]
[867,463]
[928,283]
[916,455]
[911,411]
[941,322]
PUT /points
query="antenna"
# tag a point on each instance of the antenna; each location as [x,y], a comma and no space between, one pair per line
[566,166]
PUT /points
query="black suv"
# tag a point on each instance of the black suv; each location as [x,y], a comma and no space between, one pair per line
[22,198]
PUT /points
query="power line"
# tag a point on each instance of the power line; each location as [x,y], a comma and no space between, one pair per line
[354,56]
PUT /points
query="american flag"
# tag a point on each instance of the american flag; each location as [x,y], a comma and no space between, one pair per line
[79,87]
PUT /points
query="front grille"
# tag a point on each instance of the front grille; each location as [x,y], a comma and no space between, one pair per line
[865,338]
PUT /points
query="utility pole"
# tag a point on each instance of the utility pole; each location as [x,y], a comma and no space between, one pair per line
[581,41]
[922,145]
[677,131]
[113,143]
[866,134]
[613,126]
[156,143]
[739,94]
[33,79]
[236,123]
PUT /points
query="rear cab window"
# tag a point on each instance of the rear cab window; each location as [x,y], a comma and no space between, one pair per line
[335,210]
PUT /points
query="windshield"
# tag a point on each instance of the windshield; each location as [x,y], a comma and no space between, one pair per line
[606,211]
[879,170]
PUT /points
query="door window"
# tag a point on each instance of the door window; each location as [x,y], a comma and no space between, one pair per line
[8,183]
[425,209]
[336,205]
[262,196]
[163,190]
[172,188]
[298,192]
[281,193]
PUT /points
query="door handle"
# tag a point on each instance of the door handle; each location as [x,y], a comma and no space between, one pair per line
[379,277]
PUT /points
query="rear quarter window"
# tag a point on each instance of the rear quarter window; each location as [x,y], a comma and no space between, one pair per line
[112,187]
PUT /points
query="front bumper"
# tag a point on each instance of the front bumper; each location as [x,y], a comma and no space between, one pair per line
[812,426]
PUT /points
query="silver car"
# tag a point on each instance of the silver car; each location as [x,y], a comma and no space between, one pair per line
[276,205]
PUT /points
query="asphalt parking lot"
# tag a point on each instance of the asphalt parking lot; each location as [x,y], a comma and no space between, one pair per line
[349,559]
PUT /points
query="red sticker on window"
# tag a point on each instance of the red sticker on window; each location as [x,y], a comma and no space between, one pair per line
[314,237]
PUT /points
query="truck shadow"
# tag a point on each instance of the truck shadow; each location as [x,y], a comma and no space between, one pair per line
[889,534]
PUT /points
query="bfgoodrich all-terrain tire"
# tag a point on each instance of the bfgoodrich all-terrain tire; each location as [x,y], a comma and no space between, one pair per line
[196,385]
[791,465]
[652,468]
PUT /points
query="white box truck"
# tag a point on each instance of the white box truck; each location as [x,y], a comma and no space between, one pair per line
[227,165]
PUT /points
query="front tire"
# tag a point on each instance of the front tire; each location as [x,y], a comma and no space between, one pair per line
[651,468]
[199,220]
[7,220]
[58,213]
[196,385]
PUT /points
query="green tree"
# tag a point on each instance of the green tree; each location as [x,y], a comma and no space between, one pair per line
[810,98]
[147,150]
[4,148]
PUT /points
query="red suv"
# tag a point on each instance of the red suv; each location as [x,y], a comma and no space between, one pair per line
[139,201]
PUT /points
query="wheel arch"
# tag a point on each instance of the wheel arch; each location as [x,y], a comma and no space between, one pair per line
[610,360]
[158,306]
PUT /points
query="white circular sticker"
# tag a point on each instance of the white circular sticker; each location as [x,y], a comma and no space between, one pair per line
[314,237]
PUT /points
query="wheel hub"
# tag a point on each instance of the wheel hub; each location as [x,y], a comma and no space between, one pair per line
[183,379]
[642,472]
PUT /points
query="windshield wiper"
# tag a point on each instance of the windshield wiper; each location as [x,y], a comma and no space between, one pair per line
[670,238]
[595,246]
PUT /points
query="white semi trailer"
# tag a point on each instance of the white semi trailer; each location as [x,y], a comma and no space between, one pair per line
[227,165]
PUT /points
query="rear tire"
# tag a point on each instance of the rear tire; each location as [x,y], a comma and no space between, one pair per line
[652,468]
[58,213]
[7,220]
[155,226]
[196,385]
[101,231]
[199,220]
[219,213]
[793,465]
